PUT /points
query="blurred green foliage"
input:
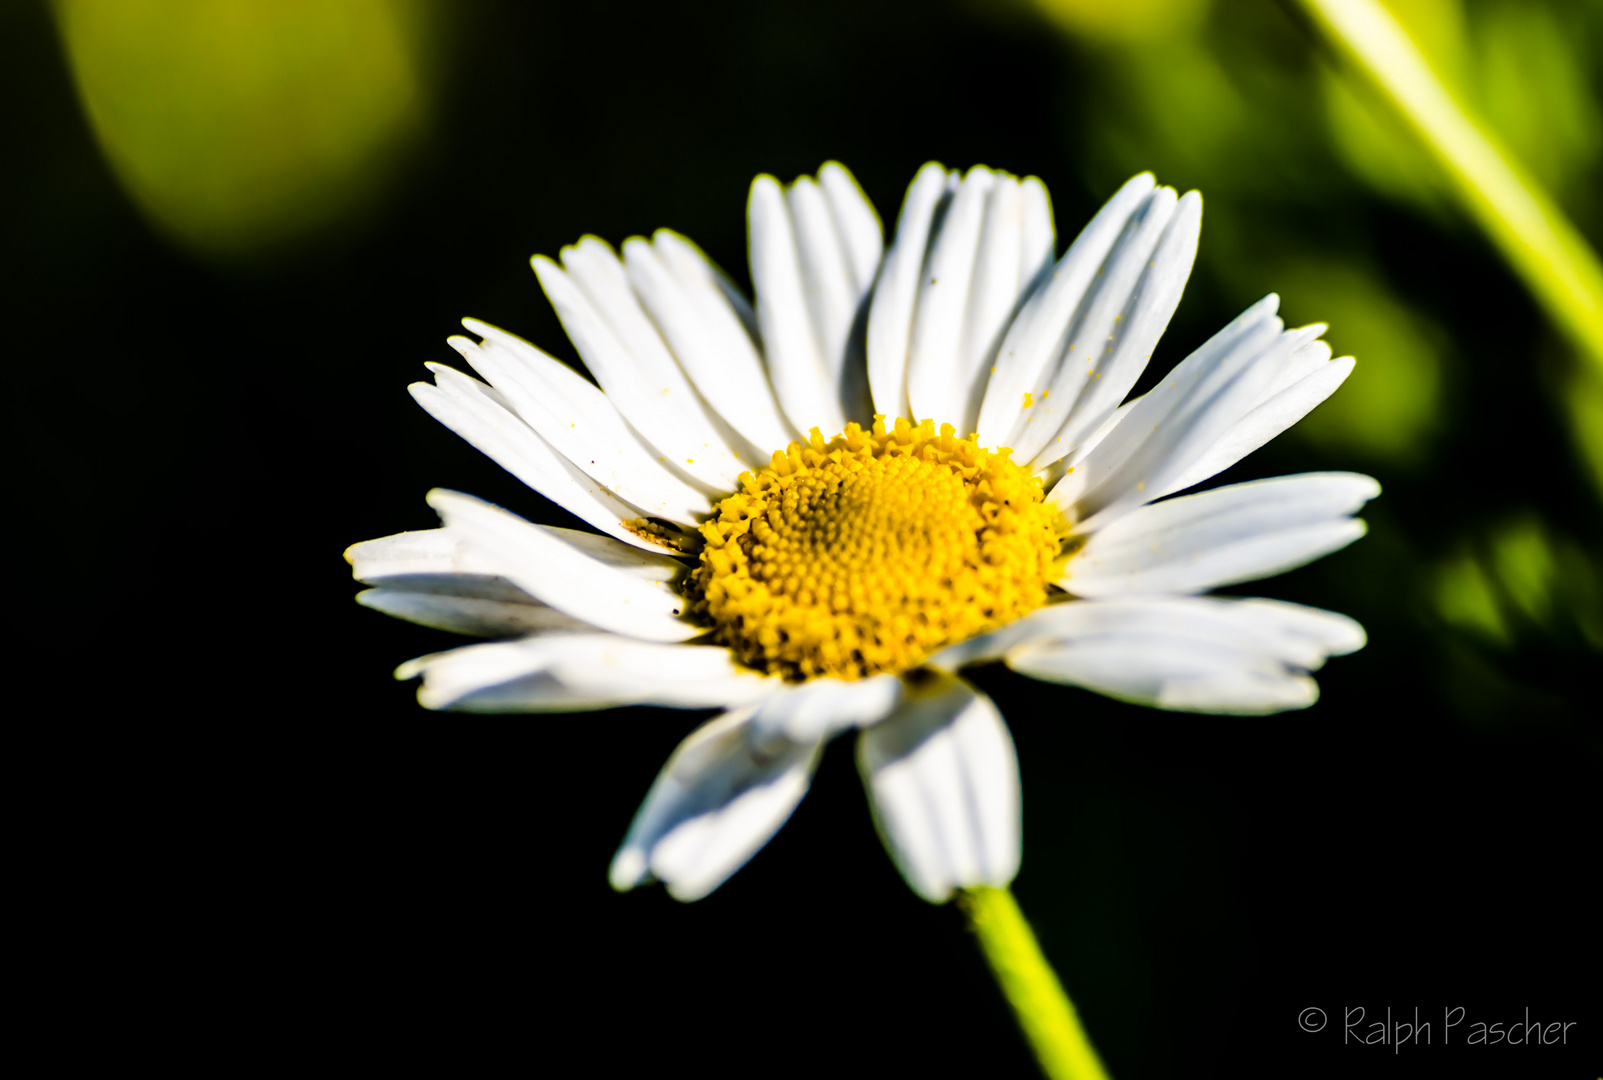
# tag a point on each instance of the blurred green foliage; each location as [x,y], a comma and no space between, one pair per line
[1131,22]
[1530,84]
[242,128]
[1235,101]
[1582,394]
[1392,403]
[1521,578]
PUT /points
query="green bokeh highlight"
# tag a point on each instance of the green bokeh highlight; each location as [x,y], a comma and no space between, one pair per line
[1127,22]
[243,128]
[1392,403]
[1522,578]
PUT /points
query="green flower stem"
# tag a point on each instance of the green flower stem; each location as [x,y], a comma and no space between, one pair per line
[1526,225]
[1028,982]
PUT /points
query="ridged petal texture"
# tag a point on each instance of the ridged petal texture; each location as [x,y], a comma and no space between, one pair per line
[943,781]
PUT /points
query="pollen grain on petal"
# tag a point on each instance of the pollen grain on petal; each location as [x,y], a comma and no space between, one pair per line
[657,533]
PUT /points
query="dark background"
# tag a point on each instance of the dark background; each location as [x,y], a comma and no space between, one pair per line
[260,849]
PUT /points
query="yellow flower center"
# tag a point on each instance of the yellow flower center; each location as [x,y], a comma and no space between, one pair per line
[868,552]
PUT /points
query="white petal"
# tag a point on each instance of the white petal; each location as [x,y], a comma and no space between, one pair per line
[1035,343]
[1290,634]
[972,250]
[795,355]
[428,557]
[1221,537]
[566,673]
[477,616]
[1305,360]
[592,297]
[1107,335]
[936,383]
[826,269]
[1325,633]
[410,561]
[821,708]
[722,795]
[943,781]
[434,579]
[730,786]
[1037,237]
[691,265]
[1185,675]
[1291,378]
[986,648]
[565,392]
[1112,366]
[1198,654]
[855,219]
[680,289]
[558,574]
[808,249]
[483,418]
[1235,346]
[1055,471]
[1171,427]
[703,433]
[1000,279]
[645,565]
[1266,420]
[890,319]
[581,424]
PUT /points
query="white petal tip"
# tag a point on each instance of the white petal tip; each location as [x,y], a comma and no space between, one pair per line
[1356,639]
[628,869]
[687,894]
[592,244]
[442,500]
[1204,696]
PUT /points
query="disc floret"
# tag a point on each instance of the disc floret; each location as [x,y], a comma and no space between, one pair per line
[866,552]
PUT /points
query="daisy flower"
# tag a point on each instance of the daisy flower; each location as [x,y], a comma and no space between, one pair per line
[815,513]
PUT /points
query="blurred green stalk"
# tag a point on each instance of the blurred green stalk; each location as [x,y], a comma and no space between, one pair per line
[1525,224]
[1030,985]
